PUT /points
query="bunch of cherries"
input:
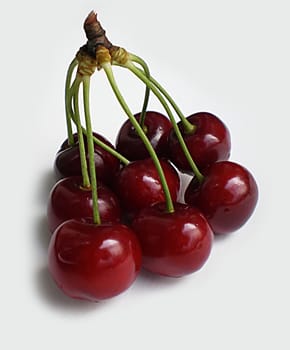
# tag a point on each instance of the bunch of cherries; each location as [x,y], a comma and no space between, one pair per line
[115,209]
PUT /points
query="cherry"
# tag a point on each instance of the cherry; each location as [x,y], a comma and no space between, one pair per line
[66,144]
[227,196]
[208,143]
[93,262]
[173,244]
[138,184]
[156,128]
[67,162]
[70,200]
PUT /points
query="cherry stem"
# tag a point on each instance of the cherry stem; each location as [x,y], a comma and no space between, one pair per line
[186,152]
[189,128]
[145,67]
[97,141]
[109,72]
[90,144]
[68,111]
[84,169]
[109,149]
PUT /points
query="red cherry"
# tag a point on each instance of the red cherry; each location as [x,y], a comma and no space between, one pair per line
[138,184]
[66,144]
[173,244]
[93,262]
[69,200]
[67,161]
[210,142]
[130,145]
[227,196]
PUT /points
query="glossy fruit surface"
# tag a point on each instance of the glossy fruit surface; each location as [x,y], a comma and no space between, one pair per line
[69,200]
[209,143]
[67,161]
[227,197]
[173,244]
[93,262]
[138,184]
[66,144]
[157,127]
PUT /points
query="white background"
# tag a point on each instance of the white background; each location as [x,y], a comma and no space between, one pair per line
[227,57]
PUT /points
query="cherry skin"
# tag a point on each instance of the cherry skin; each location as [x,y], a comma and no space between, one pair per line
[157,127]
[69,200]
[227,196]
[138,185]
[93,262]
[66,144]
[67,162]
[173,244]
[208,143]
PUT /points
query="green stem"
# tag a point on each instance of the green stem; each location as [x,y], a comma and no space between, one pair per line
[153,88]
[145,67]
[189,128]
[97,141]
[68,110]
[90,143]
[109,72]
[77,119]
[109,149]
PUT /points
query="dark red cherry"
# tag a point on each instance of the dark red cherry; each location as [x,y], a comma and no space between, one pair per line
[138,184]
[157,128]
[67,162]
[173,244]
[68,199]
[93,262]
[227,196]
[66,144]
[208,143]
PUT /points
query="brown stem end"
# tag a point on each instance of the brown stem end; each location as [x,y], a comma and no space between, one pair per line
[95,34]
